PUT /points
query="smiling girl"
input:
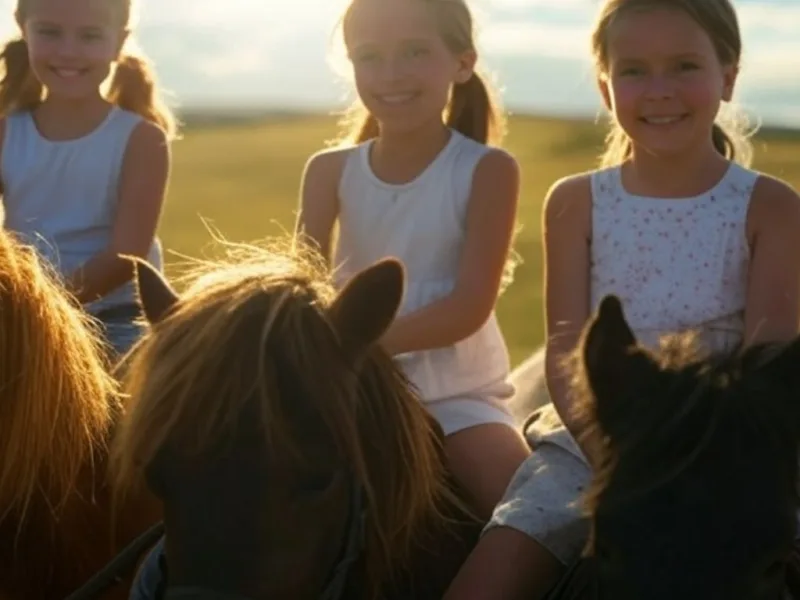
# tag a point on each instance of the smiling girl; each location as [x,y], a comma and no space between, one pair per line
[432,192]
[84,172]
[676,225]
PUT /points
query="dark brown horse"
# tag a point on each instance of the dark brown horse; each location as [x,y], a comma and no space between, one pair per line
[697,495]
[293,458]
[58,403]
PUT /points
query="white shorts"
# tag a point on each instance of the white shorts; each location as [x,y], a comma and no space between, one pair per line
[457,414]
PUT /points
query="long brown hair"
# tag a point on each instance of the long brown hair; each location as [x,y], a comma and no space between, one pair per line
[473,109]
[57,399]
[133,85]
[718,19]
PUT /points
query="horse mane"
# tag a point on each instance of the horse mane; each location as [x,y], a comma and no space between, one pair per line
[58,398]
[697,397]
[189,380]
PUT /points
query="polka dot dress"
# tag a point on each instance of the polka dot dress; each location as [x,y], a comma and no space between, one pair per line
[676,263]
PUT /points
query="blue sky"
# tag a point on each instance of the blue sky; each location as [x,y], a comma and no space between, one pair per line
[277,53]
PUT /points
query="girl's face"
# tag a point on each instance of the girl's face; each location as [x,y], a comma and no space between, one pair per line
[72,44]
[665,82]
[403,69]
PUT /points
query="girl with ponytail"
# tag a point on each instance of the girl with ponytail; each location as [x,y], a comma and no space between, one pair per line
[85,152]
[676,225]
[421,181]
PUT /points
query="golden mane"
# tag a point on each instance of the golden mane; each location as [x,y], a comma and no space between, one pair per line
[58,398]
[190,378]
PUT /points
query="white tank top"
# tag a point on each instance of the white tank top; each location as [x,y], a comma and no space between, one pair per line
[422,223]
[676,264]
[61,196]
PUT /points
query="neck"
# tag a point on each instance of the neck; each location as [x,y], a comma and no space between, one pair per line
[687,174]
[74,109]
[417,143]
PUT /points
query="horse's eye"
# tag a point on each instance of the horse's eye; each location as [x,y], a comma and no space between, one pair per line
[315,483]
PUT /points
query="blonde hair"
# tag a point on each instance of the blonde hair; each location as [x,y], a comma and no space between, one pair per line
[58,398]
[133,85]
[473,109]
[718,19]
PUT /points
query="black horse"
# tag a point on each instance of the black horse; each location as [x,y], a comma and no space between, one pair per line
[696,497]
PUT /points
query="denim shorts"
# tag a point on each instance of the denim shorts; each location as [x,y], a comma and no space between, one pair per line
[121,327]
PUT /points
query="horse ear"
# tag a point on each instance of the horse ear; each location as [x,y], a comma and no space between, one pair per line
[607,342]
[367,305]
[785,365]
[612,363]
[156,296]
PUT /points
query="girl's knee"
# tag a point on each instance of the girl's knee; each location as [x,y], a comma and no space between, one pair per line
[483,459]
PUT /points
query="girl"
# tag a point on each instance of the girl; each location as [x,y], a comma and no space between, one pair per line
[685,235]
[435,195]
[84,172]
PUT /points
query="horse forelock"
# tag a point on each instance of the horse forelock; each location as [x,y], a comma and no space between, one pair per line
[256,327]
[711,400]
[58,398]
[406,469]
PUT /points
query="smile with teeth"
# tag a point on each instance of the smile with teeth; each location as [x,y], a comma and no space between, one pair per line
[663,120]
[397,99]
[66,73]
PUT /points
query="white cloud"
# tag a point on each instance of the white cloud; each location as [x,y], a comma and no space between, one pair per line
[514,38]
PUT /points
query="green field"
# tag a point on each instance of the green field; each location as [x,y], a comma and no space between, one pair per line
[243,179]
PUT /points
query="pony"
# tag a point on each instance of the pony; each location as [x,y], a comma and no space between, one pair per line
[293,458]
[696,493]
[58,405]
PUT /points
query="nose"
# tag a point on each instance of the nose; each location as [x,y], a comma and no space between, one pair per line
[68,47]
[660,86]
[392,70]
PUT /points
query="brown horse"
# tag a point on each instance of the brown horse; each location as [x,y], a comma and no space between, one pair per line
[697,495]
[57,407]
[293,458]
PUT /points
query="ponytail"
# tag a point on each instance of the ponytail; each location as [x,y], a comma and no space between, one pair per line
[723,142]
[473,113]
[134,88]
[19,88]
[358,125]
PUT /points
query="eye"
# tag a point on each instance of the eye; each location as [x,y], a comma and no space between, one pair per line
[315,483]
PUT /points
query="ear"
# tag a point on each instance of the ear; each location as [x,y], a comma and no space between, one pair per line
[730,73]
[613,363]
[785,365]
[123,39]
[367,305]
[466,66]
[156,296]
[605,92]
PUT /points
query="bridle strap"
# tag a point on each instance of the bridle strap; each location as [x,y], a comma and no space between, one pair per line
[354,545]
[112,573]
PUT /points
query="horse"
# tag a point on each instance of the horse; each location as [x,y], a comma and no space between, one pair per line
[292,456]
[58,405]
[696,493]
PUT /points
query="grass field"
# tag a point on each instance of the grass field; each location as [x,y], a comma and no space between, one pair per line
[243,179]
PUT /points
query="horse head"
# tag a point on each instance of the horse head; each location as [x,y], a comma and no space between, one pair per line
[697,493]
[269,420]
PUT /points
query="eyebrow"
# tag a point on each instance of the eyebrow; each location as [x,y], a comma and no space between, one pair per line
[681,56]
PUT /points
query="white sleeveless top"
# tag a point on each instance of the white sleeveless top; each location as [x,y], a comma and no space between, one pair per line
[61,195]
[422,223]
[676,264]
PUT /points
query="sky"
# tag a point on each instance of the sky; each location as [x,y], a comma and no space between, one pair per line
[283,53]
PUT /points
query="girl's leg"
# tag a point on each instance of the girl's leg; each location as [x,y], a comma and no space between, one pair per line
[506,565]
[121,333]
[483,458]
